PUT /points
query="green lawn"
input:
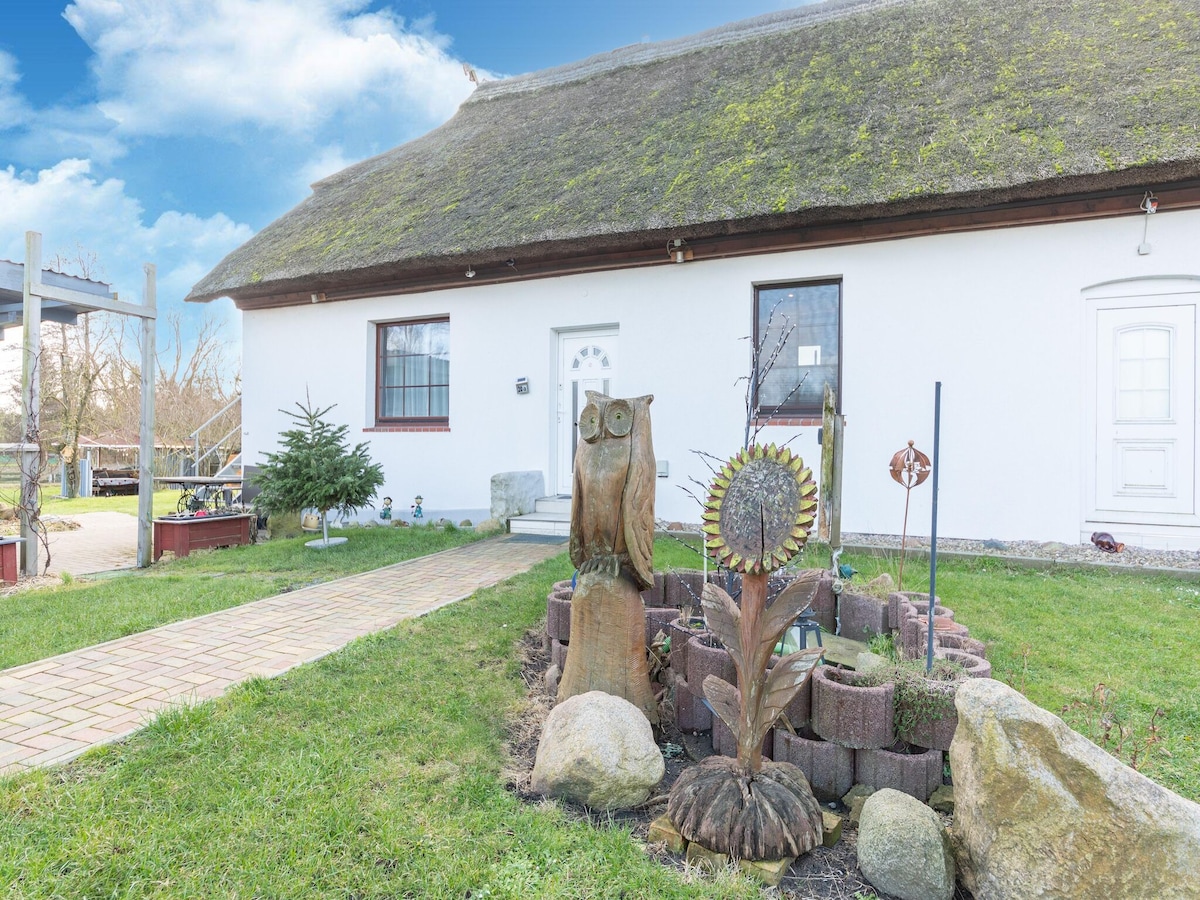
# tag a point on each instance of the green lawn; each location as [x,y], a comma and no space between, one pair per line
[373,773]
[377,771]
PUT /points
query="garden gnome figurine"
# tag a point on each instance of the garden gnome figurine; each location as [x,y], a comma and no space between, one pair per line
[612,543]
[385,514]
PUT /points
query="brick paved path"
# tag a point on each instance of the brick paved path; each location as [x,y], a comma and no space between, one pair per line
[103,541]
[55,709]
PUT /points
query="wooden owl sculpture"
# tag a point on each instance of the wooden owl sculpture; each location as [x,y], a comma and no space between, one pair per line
[612,511]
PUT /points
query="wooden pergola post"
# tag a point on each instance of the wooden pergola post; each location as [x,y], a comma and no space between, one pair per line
[35,291]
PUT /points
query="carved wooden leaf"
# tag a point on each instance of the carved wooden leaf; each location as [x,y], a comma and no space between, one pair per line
[784,682]
[723,619]
[726,701]
[791,601]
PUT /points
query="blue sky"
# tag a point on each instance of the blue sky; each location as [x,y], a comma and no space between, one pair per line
[170,131]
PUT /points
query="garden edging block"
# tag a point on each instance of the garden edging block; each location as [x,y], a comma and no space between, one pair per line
[916,774]
[828,767]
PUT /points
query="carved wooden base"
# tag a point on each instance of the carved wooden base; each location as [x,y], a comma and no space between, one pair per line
[768,815]
[608,642]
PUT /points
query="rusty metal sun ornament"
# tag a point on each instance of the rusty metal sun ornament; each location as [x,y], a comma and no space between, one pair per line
[760,509]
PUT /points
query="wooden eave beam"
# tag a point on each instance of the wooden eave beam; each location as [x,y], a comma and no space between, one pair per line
[828,234]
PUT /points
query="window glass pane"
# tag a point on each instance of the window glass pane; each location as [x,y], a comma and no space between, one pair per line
[1156,404]
[439,401]
[1157,374]
[799,327]
[391,403]
[416,402]
[439,370]
[1158,343]
[1130,374]
[416,370]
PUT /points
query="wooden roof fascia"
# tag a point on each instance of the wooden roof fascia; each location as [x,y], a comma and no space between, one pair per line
[1125,202]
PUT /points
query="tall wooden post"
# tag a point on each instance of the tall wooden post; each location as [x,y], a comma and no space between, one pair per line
[31,450]
[146,437]
[829,525]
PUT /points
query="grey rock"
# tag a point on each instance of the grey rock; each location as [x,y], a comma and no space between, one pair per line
[598,750]
[514,493]
[1042,812]
[553,676]
[993,544]
[942,800]
[902,848]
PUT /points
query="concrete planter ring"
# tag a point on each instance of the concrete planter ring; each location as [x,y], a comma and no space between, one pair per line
[681,634]
[849,711]
[703,660]
[930,719]
[976,666]
[916,774]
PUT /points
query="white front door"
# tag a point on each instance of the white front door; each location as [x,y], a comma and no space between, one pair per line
[1145,411]
[587,361]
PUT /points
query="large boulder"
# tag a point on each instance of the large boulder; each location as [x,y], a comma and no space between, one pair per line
[902,848]
[598,750]
[1042,812]
[514,494]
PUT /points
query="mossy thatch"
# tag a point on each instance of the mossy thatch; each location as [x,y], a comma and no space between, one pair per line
[840,111]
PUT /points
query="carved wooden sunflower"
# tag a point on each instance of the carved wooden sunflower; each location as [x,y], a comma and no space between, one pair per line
[760,509]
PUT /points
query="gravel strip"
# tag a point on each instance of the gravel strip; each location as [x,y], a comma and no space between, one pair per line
[1136,557]
[1050,551]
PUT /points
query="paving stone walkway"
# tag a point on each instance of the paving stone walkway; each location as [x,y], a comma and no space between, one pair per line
[55,709]
[104,541]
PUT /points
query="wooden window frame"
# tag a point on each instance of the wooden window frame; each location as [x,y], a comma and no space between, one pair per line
[798,412]
[413,423]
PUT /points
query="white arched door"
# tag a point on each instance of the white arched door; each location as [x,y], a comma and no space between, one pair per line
[587,361]
[1143,471]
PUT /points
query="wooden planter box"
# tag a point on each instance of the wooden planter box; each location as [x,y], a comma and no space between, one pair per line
[10,559]
[183,535]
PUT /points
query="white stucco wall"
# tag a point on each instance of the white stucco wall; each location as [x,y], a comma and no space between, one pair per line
[997,316]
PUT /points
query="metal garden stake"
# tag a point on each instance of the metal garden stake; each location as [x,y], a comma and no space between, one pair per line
[909,467]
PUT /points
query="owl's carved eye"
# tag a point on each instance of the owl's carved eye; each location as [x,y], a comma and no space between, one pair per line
[589,423]
[618,418]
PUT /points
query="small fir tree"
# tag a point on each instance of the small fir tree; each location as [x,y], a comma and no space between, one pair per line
[316,469]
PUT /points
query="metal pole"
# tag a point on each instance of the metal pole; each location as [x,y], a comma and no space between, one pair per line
[937,436]
[145,548]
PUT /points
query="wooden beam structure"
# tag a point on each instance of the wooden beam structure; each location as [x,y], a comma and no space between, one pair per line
[73,301]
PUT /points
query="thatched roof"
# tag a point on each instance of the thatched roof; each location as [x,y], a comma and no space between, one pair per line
[839,111]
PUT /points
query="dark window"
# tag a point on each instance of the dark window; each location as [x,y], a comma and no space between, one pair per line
[797,330]
[413,374]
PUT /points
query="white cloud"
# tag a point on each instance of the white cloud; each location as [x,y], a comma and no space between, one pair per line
[190,65]
[73,209]
[328,161]
[12,106]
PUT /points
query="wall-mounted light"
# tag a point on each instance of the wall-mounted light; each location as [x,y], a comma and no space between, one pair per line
[1149,206]
[678,250]
[470,273]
